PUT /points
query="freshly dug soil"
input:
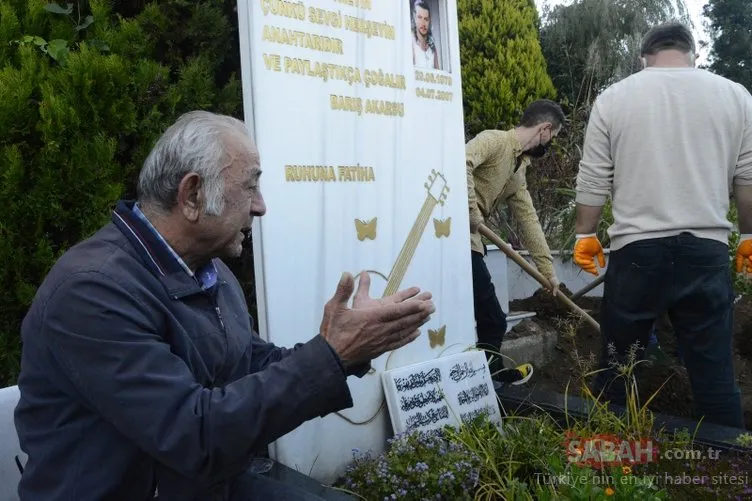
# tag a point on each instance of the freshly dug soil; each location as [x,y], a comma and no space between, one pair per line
[674,398]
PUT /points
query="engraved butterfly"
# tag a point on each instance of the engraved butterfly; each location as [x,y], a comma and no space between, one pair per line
[366,229]
[437,337]
[442,228]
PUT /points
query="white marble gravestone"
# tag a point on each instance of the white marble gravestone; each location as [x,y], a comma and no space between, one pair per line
[372,148]
[444,391]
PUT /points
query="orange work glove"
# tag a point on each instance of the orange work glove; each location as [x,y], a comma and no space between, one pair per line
[586,249]
[744,254]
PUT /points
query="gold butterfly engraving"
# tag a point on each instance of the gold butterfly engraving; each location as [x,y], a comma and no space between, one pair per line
[437,337]
[366,229]
[442,227]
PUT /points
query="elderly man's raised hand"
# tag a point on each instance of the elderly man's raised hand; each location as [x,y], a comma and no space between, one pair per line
[372,326]
[363,300]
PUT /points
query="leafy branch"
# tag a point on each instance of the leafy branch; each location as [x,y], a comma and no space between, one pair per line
[58,48]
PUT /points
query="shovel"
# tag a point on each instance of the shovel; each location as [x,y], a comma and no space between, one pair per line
[592,285]
[506,249]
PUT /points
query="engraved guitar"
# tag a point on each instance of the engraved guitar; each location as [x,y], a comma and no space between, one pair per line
[367,391]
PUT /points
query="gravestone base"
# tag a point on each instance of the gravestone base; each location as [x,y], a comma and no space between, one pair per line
[529,343]
[290,476]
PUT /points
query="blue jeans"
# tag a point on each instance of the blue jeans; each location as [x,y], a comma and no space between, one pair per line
[689,278]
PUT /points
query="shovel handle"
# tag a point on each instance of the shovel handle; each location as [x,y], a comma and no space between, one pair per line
[506,249]
[592,285]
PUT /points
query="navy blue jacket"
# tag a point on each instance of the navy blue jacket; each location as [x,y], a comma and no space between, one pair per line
[132,375]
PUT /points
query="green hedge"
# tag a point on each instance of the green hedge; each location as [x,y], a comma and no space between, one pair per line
[503,68]
[83,96]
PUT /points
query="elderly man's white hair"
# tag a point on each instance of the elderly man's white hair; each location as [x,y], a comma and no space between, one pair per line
[196,142]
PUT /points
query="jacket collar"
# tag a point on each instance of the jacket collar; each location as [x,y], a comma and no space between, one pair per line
[158,255]
[520,158]
[513,141]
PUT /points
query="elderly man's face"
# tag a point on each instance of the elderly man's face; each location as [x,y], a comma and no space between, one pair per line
[243,201]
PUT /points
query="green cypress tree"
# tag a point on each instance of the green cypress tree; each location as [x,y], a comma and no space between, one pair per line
[503,68]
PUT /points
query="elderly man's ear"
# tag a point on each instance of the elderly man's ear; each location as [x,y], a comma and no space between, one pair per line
[189,196]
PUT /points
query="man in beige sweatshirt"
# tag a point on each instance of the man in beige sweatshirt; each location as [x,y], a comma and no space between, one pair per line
[496,163]
[670,144]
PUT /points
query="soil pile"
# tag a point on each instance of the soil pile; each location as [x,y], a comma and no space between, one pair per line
[665,374]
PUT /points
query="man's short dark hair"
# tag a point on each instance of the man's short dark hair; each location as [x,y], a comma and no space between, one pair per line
[667,36]
[422,4]
[540,111]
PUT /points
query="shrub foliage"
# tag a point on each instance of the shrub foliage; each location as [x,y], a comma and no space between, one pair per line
[85,90]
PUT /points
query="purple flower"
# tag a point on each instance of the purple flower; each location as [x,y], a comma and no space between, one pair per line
[421,467]
[446,477]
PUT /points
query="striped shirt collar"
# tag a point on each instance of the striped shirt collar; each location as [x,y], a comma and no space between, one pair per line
[157,250]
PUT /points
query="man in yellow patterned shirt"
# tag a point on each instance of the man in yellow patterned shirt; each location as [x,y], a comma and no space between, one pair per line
[496,164]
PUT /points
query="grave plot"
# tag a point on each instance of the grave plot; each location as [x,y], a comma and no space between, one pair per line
[578,346]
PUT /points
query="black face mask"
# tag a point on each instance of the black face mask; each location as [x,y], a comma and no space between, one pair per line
[537,151]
